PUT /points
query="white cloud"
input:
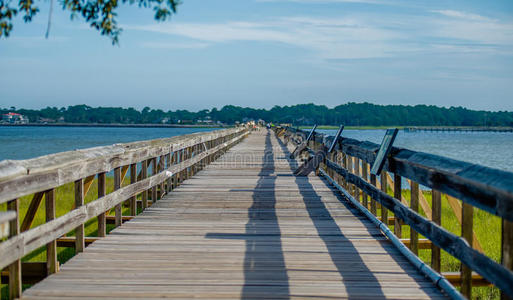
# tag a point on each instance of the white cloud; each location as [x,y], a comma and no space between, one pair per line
[174,46]
[356,36]
[331,38]
[330,1]
[462,15]
[472,28]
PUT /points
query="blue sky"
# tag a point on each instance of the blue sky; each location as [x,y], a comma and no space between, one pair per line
[262,53]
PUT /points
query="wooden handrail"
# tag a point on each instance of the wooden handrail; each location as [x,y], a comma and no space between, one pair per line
[485,188]
[25,177]
[492,190]
[41,176]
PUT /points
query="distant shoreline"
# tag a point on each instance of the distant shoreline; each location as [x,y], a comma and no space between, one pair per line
[416,128]
[113,125]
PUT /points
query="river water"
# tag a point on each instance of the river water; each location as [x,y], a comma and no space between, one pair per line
[486,148]
[30,142]
[490,149]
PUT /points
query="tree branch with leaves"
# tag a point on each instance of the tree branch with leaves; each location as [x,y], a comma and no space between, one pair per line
[99,14]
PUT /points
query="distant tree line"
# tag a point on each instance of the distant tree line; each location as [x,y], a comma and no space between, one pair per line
[351,114]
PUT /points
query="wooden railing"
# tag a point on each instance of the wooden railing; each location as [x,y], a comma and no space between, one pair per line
[156,167]
[477,186]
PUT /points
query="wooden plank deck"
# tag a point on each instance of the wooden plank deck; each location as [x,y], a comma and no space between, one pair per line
[243,228]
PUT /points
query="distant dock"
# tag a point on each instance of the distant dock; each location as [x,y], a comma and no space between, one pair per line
[459,129]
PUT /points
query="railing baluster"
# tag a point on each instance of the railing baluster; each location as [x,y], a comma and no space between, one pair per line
[384,187]
[102,191]
[79,201]
[118,210]
[467,224]
[398,195]
[160,168]
[175,176]
[365,177]
[349,165]
[154,171]
[144,175]
[436,204]
[414,205]
[344,165]
[15,284]
[507,249]
[52,265]
[169,180]
[374,209]
[356,167]
[133,199]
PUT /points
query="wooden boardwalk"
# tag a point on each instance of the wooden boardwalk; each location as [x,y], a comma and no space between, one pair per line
[242,228]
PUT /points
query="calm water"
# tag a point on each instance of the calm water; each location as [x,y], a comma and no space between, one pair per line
[485,148]
[491,149]
[29,142]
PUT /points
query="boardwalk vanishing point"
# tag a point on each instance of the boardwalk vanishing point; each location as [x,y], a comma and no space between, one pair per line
[243,228]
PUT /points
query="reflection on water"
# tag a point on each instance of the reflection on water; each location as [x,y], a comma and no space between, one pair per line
[490,149]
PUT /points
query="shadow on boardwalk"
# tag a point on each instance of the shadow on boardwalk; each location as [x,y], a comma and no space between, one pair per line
[346,260]
[263,258]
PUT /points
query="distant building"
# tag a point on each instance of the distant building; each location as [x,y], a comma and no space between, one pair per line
[14,118]
[163,120]
[207,121]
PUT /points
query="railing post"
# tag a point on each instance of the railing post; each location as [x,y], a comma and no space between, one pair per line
[79,201]
[175,176]
[414,204]
[467,224]
[397,195]
[349,167]
[14,268]
[344,165]
[436,204]
[384,187]
[365,177]
[183,173]
[102,191]
[168,165]
[154,172]
[161,168]
[144,175]
[356,167]
[373,205]
[133,199]
[189,156]
[52,265]
[118,209]
[507,249]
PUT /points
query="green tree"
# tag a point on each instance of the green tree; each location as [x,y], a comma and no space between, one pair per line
[99,14]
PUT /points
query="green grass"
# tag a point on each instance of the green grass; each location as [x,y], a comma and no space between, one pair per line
[488,231]
[486,226]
